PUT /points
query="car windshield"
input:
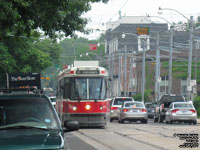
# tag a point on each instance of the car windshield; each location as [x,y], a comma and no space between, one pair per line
[134,105]
[120,101]
[23,112]
[183,106]
[149,105]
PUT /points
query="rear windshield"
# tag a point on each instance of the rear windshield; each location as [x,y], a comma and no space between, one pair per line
[120,101]
[149,105]
[172,99]
[134,105]
[183,106]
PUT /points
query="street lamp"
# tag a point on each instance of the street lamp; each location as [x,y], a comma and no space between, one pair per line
[143,37]
[190,49]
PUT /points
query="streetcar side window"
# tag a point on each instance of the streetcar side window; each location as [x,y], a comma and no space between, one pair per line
[66,93]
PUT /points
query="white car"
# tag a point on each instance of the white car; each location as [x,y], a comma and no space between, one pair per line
[133,111]
[53,100]
[181,112]
[116,104]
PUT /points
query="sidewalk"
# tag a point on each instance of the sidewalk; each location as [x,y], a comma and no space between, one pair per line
[198,121]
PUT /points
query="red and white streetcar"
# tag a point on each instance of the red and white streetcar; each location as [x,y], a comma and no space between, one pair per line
[82,94]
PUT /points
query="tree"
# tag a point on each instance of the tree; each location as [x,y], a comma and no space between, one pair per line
[51,16]
[20,55]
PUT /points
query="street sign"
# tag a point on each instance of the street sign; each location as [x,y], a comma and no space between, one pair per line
[193,82]
[142,31]
[159,79]
[189,88]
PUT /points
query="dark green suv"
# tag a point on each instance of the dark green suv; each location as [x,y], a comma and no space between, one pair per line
[29,121]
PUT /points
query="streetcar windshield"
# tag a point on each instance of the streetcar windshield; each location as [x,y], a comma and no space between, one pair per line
[87,88]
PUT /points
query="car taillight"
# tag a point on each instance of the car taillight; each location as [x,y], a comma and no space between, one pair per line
[114,108]
[193,111]
[102,72]
[125,110]
[71,72]
[143,110]
[175,110]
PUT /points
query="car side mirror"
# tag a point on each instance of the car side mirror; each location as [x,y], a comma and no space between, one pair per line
[71,125]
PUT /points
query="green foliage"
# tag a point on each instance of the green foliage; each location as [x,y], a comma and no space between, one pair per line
[51,16]
[196,103]
[76,49]
[20,55]
[147,96]
[180,69]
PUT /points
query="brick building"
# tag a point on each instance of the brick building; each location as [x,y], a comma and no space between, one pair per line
[125,55]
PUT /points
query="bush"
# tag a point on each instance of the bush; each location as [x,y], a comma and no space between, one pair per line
[196,103]
[147,96]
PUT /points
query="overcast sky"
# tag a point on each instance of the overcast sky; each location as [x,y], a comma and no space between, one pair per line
[102,13]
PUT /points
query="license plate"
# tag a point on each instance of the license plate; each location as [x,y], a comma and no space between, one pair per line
[133,110]
[185,112]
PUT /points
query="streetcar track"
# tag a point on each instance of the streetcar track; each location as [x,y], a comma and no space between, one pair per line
[98,141]
[146,143]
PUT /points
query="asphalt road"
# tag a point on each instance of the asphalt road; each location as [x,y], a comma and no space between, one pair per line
[134,136]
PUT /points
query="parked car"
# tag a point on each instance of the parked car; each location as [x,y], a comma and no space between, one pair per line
[163,105]
[116,103]
[133,111]
[29,121]
[181,112]
[53,100]
[150,109]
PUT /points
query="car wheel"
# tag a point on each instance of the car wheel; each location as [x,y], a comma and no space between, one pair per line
[144,121]
[111,119]
[122,121]
[167,122]
[155,119]
[170,121]
[195,122]
[160,118]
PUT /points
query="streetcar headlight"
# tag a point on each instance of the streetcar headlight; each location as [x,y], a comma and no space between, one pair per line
[74,108]
[87,107]
[101,107]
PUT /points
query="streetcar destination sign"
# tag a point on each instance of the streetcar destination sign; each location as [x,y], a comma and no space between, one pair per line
[87,72]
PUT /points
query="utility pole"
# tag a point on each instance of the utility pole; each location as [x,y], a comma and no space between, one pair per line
[157,86]
[190,59]
[125,69]
[112,67]
[119,73]
[170,59]
[143,68]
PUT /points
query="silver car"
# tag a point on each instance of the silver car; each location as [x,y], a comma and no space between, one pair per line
[116,104]
[133,111]
[181,112]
